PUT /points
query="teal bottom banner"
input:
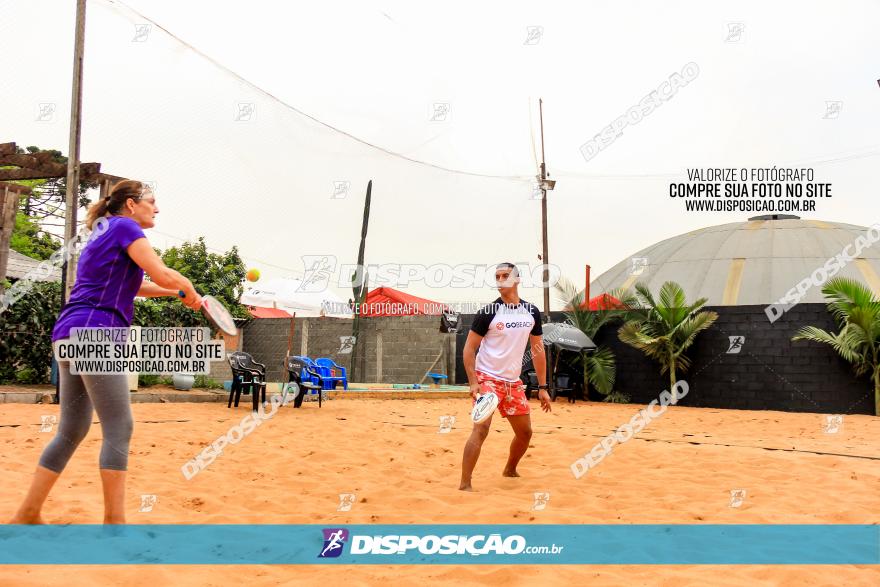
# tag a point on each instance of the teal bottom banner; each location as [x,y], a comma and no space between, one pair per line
[417,544]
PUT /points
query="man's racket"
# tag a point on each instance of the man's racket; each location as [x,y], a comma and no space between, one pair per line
[217,314]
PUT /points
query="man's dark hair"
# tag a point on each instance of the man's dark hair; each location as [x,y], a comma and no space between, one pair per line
[507,265]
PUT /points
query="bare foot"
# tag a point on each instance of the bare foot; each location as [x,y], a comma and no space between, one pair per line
[465,487]
[507,473]
[30,520]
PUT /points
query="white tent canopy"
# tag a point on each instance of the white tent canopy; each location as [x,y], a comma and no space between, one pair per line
[288,295]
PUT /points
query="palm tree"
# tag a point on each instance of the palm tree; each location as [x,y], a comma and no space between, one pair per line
[667,329]
[857,312]
[598,367]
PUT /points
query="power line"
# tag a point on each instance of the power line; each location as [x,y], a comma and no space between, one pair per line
[310,117]
[822,159]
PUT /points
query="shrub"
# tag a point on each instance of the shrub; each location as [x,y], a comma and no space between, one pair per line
[26,335]
[205,382]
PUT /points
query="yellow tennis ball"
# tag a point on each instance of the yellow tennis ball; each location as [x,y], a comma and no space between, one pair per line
[253,274]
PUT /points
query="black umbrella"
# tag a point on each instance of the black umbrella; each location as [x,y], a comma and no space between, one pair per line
[567,337]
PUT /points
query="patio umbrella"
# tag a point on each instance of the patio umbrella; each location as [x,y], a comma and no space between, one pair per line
[286,294]
[567,337]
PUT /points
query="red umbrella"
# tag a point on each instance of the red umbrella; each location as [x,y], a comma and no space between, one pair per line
[603,302]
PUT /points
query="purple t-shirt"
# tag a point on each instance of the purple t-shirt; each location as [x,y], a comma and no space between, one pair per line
[107,280]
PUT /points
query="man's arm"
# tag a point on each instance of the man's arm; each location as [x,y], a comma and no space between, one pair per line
[539,361]
[469,357]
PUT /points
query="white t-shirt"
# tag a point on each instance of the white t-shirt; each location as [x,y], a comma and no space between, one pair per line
[505,329]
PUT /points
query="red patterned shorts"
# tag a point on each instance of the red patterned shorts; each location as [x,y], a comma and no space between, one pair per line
[512,400]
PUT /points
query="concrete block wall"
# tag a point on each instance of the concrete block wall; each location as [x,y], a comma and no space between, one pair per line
[266,340]
[220,370]
[770,372]
[399,349]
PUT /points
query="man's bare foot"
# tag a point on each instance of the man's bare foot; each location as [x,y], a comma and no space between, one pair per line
[465,487]
[508,473]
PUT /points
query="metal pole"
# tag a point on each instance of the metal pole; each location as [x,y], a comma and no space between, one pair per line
[72,196]
[544,254]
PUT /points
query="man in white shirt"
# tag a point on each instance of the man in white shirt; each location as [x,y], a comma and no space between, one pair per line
[501,331]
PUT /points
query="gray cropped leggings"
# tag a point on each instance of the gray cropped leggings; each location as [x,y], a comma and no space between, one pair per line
[80,394]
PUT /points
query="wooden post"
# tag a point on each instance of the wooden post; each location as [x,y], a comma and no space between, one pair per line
[5,231]
[9,196]
[450,358]
[379,356]
[73,170]
[290,334]
[304,345]
[587,288]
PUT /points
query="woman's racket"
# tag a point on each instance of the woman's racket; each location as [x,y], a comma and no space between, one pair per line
[217,314]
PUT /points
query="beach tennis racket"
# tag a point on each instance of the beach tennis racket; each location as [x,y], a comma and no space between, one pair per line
[484,407]
[217,314]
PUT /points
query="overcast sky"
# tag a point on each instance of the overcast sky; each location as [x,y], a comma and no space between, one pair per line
[349,91]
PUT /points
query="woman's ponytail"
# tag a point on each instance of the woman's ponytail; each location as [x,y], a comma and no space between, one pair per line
[115,201]
[96,210]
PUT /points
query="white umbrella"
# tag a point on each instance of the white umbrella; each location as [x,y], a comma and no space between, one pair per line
[287,294]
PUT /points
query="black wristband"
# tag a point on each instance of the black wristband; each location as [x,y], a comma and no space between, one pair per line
[543,387]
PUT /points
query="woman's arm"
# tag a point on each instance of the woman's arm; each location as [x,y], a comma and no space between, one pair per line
[151,290]
[160,274]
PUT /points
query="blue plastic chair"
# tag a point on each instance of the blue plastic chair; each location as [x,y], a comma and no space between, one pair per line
[305,375]
[331,372]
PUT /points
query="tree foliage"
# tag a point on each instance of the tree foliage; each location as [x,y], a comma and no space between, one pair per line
[29,239]
[857,312]
[40,217]
[26,335]
[599,367]
[26,326]
[668,327]
[220,275]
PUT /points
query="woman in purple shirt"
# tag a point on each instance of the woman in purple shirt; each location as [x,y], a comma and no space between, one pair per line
[109,276]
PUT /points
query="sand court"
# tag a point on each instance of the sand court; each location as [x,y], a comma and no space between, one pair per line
[689,466]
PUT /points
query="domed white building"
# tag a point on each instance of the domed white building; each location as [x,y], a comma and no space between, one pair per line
[753,262]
